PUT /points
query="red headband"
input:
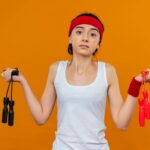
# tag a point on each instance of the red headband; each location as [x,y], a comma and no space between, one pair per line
[87,20]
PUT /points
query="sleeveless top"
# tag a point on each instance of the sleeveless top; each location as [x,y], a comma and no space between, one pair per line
[81,111]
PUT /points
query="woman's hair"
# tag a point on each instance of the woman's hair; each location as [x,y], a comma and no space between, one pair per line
[70,49]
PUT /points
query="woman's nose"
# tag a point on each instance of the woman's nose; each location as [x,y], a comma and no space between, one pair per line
[85,37]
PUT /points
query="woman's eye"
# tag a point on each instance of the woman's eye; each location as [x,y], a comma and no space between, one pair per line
[78,32]
[93,35]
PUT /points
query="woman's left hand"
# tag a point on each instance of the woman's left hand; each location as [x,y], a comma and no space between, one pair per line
[147,76]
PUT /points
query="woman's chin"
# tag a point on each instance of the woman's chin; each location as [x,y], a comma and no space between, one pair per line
[85,54]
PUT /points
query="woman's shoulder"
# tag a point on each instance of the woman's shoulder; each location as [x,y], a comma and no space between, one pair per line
[110,68]
[53,69]
[110,72]
[54,66]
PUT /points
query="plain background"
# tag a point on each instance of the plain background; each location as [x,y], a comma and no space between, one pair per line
[34,34]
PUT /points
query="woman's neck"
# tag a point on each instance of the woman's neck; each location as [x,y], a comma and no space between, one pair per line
[80,65]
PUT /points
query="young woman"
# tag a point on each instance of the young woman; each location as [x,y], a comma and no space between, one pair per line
[81,86]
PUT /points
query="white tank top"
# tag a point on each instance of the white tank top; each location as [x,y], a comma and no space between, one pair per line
[81,111]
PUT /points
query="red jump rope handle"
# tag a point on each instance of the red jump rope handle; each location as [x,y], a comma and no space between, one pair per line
[141,112]
[146,104]
[141,116]
[145,94]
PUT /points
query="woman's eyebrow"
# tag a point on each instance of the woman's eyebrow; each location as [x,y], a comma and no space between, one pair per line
[94,29]
[80,27]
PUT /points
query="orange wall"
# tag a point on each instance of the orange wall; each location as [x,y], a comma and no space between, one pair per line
[33,34]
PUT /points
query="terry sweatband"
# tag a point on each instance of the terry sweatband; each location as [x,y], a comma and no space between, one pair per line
[134,87]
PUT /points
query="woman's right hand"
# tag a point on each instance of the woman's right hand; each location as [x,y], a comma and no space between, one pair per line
[6,74]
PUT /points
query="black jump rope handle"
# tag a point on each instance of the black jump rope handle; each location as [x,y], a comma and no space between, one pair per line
[9,114]
[5,110]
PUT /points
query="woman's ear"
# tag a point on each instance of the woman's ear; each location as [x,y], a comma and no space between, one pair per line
[98,46]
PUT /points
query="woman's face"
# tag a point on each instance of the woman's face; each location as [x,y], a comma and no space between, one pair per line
[84,39]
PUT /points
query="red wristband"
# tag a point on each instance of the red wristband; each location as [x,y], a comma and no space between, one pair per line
[134,87]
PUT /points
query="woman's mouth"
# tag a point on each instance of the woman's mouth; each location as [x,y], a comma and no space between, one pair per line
[83,46]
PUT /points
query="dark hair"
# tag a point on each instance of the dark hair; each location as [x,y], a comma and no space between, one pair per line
[70,49]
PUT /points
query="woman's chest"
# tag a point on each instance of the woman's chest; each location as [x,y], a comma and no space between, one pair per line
[81,78]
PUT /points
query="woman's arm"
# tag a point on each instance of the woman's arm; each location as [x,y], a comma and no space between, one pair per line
[121,111]
[42,109]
